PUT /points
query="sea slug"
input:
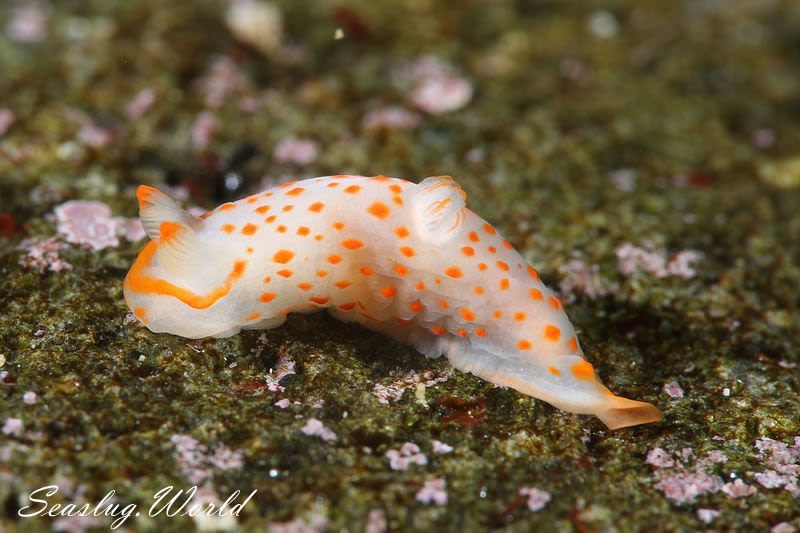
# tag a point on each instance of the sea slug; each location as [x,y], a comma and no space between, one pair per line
[408,260]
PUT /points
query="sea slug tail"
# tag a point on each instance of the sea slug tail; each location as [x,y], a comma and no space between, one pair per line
[622,412]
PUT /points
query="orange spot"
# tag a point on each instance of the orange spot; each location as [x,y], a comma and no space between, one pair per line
[343,284]
[227,207]
[554,302]
[322,273]
[480,332]
[167,230]
[400,269]
[138,281]
[352,244]
[281,229]
[396,189]
[524,345]
[270,219]
[287,208]
[478,290]
[461,333]
[317,237]
[397,200]
[249,249]
[249,229]
[267,296]
[352,189]
[583,370]
[401,232]
[504,284]
[482,266]
[295,192]
[469,251]
[519,317]
[407,251]
[388,291]
[416,307]
[467,314]
[492,249]
[573,344]
[502,266]
[267,279]
[474,236]
[535,294]
[553,370]
[453,272]
[443,304]
[338,225]
[303,231]
[140,311]
[320,300]
[532,273]
[349,306]
[283,256]
[437,330]
[285,273]
[508,245]
[316,207]
[420,286]
[304,286]
[333,184]
[497,313]
[228,228]
[334,259]
[253,315]
[252,199]
[379,210]
[367,271]
[552,333]
[488,229]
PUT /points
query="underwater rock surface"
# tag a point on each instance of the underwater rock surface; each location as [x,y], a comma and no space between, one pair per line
[643,158]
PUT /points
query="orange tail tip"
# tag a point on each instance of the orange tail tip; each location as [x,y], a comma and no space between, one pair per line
[623,412]
[144,193]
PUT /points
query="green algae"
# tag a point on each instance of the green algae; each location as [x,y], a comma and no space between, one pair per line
[676,96]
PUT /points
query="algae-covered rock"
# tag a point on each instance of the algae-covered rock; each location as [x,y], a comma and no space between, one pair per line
[643,156]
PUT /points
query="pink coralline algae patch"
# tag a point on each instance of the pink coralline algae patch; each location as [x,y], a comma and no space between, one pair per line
[654,261]
[94,136]
[435,87]
[7,118]
[440,448]
[707,516]
[27,24]
[783,464]
[391,118]
[673,390]
[12,427]
[198,463]
[536,498]
[581,278]
[204,127]
[393,392]
[223,79]
[682,482]
[140,103]
[376,522]
[433,491]
[296,151]
[42,255]
[408,454]
[90,223]
[315,428]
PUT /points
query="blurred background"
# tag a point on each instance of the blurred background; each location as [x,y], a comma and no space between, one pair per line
[642,154]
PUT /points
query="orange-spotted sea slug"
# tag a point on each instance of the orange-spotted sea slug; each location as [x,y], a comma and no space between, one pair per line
[408,260]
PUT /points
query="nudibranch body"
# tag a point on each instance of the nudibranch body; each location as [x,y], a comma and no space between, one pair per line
[408,260]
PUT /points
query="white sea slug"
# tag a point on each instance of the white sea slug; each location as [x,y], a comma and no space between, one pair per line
[410,261]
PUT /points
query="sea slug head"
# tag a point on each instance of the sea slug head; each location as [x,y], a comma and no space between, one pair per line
[182,282]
